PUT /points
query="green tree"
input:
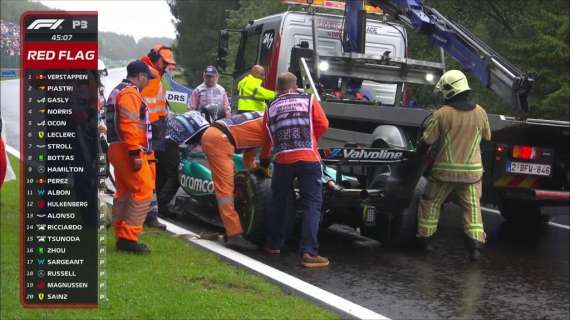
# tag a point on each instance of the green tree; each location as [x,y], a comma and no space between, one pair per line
[533,35]
[198,23]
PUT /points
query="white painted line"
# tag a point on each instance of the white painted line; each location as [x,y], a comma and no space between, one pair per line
[554,224]
[333,301]
[13,151]
[563,226]
[491,210]
[316,293]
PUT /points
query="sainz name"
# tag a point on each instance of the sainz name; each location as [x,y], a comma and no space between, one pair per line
[47,55]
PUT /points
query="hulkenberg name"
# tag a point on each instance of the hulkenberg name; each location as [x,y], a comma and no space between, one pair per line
[57,204]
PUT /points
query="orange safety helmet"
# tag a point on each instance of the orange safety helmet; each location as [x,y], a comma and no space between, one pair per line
[162,51]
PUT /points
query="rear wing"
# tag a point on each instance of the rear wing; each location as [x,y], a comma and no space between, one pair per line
[364,156]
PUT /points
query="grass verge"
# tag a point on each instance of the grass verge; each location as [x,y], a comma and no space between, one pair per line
[177,281]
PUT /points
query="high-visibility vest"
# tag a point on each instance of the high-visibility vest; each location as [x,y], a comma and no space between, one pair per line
[251,95]
[121,115]
[289,121]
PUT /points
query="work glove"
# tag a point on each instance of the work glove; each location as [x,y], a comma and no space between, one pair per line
[136,159]
[262,169]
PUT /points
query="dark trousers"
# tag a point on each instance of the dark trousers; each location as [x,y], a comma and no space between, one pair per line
[167,175]
[310,187]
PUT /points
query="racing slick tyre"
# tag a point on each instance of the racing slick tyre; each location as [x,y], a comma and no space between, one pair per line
[518,211]
[399,229]
[252,199]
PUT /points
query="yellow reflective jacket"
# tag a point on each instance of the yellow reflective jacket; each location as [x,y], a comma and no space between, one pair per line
[456,136]
[251,95]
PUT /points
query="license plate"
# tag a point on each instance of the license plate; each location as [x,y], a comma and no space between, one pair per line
[529,168]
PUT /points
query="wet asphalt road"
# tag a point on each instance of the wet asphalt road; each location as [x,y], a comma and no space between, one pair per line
[524,274]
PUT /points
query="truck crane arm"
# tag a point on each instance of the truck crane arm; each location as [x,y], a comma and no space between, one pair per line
[476,57]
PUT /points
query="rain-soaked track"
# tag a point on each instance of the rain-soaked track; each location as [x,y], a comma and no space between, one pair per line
[524,274]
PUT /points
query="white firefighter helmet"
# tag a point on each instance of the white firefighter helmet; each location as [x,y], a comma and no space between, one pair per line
[452,83]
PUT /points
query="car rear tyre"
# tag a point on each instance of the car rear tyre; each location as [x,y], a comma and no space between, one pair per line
[252,199]
[399,229]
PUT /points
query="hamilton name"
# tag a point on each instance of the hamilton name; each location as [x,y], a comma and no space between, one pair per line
[66,169]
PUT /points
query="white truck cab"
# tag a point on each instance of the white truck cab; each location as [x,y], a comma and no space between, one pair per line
[269,42]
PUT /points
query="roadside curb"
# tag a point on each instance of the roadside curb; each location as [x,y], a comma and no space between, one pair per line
[284,280]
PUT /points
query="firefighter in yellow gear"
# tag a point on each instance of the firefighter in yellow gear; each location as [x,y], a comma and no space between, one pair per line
[251,93]
[454,134]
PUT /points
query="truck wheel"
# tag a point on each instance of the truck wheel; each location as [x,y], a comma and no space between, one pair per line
[252,199]
[399,229]
[520,212]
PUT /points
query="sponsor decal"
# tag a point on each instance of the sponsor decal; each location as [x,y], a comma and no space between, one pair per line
[197,184]
[363,154]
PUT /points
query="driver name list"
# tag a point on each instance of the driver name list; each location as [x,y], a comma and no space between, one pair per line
[62,237]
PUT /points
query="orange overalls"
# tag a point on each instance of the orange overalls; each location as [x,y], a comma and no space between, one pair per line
[219,143]
[128,135]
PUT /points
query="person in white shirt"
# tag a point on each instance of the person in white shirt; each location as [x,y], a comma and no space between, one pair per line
[210,93]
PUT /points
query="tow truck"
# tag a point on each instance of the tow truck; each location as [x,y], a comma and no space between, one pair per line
[357,66]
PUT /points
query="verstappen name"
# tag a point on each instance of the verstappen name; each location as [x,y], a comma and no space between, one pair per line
[362,154]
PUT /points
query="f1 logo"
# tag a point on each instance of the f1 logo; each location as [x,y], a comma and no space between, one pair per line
[45,23]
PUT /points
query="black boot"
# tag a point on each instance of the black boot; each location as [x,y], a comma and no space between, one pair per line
[240,243]
[132,246]
[154,223]
[424,244]
[474,248]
